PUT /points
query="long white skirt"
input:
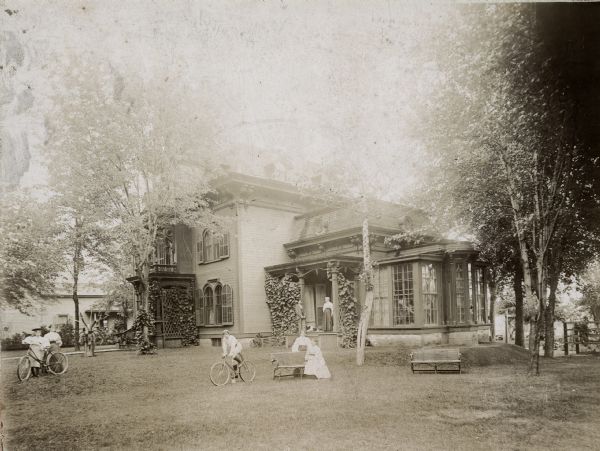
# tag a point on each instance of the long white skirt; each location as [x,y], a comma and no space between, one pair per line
[316,366]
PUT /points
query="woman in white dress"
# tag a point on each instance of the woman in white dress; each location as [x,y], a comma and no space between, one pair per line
[315,363]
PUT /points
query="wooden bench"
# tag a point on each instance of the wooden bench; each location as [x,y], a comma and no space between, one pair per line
[435,360]
[284,362]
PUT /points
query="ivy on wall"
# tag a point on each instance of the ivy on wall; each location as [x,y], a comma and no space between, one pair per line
[180,314]
[282,297]
[348,311]
[178,311]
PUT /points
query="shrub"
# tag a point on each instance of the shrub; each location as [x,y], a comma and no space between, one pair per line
[14,343]
[67,334]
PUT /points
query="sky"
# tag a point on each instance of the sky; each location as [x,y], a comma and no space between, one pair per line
[297,83]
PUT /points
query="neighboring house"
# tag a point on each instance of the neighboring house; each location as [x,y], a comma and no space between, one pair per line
[435,292]
[54,310]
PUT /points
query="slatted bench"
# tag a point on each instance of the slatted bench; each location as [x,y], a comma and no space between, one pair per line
[435,360]
[284,362]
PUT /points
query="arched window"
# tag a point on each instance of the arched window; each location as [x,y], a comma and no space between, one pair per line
[214,305]
[212,246]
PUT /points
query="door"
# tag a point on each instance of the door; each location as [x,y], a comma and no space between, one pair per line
[320,293]
[309,305]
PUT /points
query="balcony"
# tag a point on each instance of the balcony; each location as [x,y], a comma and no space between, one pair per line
[156,267]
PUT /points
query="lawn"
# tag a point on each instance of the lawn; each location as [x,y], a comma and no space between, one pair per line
[120,400]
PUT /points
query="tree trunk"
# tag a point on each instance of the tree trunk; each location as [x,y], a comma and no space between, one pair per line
[76,270]
[549,316]
[540,285]
[518,288]
[143,272]
[492,315]
[363,325]
[76,328]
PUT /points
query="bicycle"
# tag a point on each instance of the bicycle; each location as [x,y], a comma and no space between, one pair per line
[54,362]
[222,372]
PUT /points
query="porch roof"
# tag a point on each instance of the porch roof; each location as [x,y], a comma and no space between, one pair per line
[439,250]
[318,262]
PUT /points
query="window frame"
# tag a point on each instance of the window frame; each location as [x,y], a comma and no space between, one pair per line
[462,308]
[219,304]
[212,247]
[430,298]
[403,294]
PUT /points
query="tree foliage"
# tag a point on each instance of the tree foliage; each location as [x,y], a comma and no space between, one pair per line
[30,254]
[504,141]
[136,159]
[590,288]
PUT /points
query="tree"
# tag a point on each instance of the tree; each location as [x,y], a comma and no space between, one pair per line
[590,288]
[505,113]
[30,255]
[137,160]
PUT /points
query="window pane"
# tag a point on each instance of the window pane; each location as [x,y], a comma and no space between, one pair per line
[461,301]
[209,308]
[403,294]
[227,305]
[208,247]
[471,294]
[218,305]
[480,296]
[429,290]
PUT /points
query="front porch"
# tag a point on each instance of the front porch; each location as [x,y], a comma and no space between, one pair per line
[318,279]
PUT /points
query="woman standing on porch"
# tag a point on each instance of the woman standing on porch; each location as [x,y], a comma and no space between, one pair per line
[328,313]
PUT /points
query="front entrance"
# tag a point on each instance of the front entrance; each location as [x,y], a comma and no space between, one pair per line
[314,298]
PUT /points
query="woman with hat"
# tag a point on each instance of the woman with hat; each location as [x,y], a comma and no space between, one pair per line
[38,346]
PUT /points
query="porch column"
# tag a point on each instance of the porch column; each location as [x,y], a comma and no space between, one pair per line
[303,314]
[335,299]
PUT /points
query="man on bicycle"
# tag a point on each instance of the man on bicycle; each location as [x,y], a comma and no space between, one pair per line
[38,346]
[232,348]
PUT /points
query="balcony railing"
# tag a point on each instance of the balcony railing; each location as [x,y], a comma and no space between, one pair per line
[163,268]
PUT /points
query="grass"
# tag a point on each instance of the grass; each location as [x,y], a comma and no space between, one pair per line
[124,401]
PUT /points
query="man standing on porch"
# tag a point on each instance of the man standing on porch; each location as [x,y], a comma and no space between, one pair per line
[328,313]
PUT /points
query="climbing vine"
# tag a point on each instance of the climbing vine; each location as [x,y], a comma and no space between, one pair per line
[348,311]
[282,297]
[178,312]
[144,318]
[181,314]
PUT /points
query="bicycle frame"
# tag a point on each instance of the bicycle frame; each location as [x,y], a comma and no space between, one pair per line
[42,362]
[246,371]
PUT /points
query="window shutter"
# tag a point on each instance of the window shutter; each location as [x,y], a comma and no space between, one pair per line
[225,245]
[199,308]
[227,305]
[207,239]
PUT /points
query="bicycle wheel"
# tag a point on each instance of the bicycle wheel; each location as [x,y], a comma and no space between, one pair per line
[57,363]
[219,373]
[24,368]
[247,371]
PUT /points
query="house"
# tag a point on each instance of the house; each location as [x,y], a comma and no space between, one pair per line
[434,292]
[58,309]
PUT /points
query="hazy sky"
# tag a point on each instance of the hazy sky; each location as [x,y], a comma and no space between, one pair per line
[304,81]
